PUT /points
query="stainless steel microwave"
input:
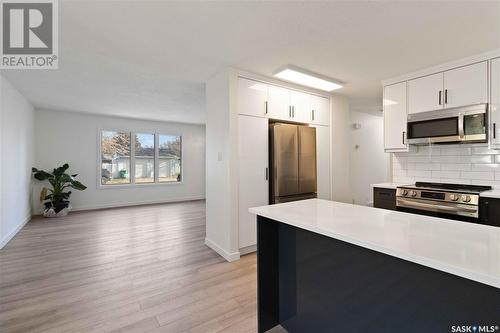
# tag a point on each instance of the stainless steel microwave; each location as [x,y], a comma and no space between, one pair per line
[459,125]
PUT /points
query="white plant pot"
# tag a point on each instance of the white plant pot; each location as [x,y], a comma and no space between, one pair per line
[50,212]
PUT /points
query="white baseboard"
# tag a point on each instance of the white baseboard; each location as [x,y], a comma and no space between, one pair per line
[224,254]
[136,203]
[248,249]
[11,235]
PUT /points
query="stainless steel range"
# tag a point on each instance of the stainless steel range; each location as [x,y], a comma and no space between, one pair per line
[446,200]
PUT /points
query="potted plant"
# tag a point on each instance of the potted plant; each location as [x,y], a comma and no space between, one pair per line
[56,199]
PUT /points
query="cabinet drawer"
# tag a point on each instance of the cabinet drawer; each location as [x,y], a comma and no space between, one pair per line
[384,198]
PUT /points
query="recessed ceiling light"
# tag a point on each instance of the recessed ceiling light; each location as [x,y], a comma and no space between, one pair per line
[309,79]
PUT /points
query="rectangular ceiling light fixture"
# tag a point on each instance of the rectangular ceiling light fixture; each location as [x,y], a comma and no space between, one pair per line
[306,78]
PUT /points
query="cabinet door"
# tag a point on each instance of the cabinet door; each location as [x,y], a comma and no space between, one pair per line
[279,103]
[253,174]
[466,85]
[252,98]
[495,104]
[320,111]
[301,106]
[323,161]
[395,117]
[423,93]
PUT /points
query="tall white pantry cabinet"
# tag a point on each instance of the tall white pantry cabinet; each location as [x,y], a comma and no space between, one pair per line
[257,104]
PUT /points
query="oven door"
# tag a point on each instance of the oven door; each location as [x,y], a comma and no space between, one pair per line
[463,124]
[462,212]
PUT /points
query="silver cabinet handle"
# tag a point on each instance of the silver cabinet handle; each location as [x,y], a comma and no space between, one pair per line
[265,107]
[494,130]
[404,134]
[446,96]
[289,111]
[313,115]
[293,111]
[440,97]
[267,173]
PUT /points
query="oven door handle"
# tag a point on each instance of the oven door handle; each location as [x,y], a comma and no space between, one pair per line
[410,204]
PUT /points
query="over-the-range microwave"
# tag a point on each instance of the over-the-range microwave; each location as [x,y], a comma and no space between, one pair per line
[458,125]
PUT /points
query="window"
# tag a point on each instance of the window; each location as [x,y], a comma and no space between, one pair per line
[169,152]
[140,158]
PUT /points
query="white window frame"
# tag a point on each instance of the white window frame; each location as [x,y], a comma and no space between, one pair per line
[132,159]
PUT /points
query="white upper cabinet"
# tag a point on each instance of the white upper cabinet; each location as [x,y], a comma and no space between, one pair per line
[320,111]
[466,85]
[279,103]
[252,97]
[395,117]
[301,105]
[425,93]
[495,104]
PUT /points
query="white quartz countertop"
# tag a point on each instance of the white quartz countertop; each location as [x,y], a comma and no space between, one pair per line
[387,185]
[491,194]
[465,249]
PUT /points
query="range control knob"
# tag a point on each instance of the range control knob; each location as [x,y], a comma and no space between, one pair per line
[454,197]
[413,193]
[466,198]
[404,193]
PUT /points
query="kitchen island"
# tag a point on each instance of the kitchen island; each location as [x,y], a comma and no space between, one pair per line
[326,266]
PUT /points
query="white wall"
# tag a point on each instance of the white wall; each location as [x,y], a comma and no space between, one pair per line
[221,166]
[68,137]
[368,163]
[16,160]
[341,187]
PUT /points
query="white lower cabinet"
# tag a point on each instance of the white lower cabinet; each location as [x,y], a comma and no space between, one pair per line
[253,174]
[323,161]
[495,104]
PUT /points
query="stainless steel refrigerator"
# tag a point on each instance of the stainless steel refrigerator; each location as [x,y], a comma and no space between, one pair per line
[292,162]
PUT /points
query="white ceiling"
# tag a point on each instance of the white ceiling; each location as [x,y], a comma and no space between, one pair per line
[150,59]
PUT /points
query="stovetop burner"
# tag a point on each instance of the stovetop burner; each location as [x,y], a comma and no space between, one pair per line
[454,187]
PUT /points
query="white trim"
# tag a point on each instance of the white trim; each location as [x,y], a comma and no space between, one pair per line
[224,254]
[248,249]
[137,203]
[14,232]
[443,67]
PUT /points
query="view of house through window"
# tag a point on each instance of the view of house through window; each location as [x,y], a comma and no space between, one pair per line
[115,157]
[155,158]
[144,158]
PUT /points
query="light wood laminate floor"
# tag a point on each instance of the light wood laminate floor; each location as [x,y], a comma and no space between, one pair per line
[135,269]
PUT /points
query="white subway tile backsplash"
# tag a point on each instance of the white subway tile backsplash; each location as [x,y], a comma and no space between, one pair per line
[484,151]
[481,159]
[455,151]
[420,173]
[403,179]
[478,175]
[462,164]
[485,167]
[458,166]
[453,159]
[446,174]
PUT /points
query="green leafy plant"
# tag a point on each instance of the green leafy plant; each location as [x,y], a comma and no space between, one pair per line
[57,197]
